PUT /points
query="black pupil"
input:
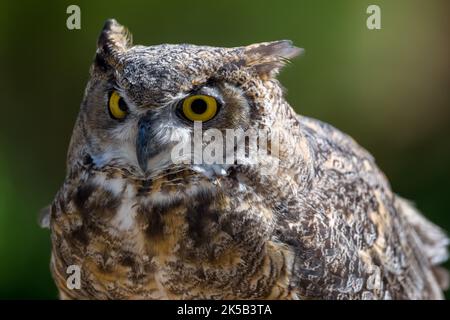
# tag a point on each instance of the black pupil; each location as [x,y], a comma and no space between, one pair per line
[122,105]
[199,106]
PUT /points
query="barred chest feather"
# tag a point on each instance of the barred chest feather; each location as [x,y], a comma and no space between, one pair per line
[178,236]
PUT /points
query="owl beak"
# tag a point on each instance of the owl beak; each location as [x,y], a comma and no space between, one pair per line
[146,144]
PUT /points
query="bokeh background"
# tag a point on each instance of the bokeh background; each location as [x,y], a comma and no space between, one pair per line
[387,88]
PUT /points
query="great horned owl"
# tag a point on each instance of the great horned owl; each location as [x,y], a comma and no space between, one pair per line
[326,225]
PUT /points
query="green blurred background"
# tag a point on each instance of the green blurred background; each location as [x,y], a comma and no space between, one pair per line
[387,88]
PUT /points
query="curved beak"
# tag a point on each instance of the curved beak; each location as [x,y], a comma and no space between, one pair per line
[146,144]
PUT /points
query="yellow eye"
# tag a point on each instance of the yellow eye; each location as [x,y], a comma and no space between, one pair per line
[117,106]
[199,108]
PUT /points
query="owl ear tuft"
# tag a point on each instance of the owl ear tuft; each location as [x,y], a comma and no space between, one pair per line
[267,58]
[113,40]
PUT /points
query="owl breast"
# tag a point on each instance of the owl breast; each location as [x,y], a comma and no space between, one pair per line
[177,236]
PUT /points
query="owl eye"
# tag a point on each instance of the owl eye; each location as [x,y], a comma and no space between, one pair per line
[199,108]
[117,106]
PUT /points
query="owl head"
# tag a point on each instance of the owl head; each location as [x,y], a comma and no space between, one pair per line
[139,98]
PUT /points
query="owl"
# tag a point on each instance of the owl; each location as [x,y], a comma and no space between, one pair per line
[322,223]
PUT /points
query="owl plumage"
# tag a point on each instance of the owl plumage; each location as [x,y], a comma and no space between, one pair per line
[325,226]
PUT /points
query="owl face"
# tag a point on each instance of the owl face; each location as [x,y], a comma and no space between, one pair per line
[141,101]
